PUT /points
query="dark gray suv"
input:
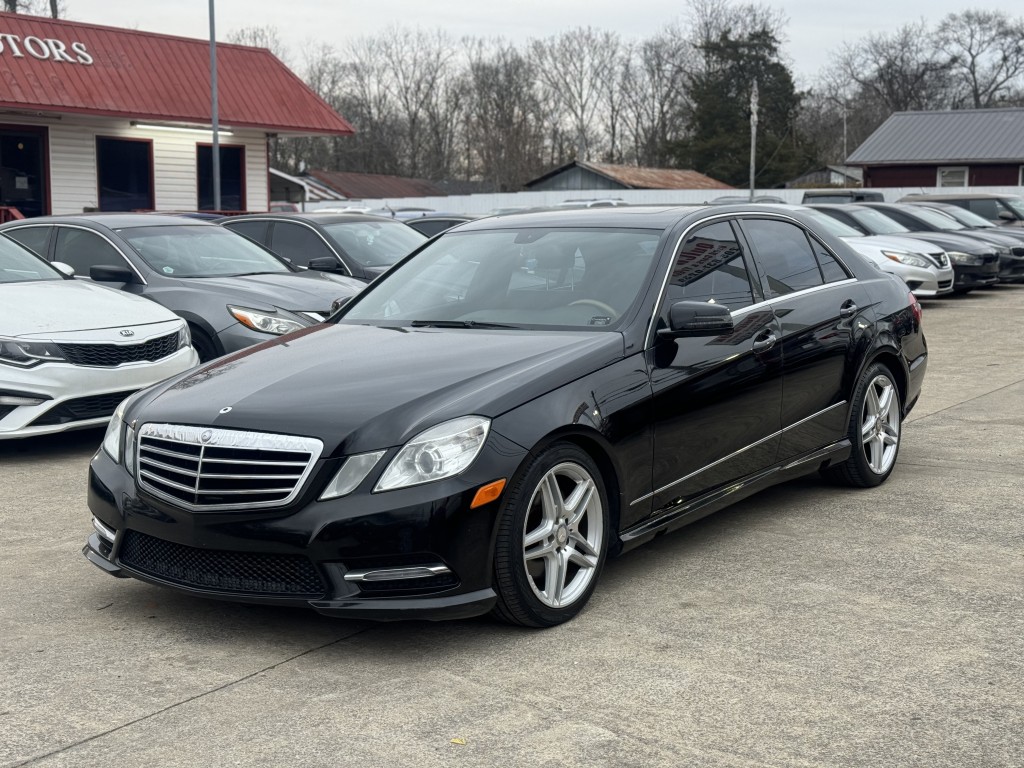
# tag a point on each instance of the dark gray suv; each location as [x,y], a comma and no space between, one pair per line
[232,292]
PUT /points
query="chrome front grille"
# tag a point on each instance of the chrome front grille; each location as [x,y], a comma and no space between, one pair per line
[203,468]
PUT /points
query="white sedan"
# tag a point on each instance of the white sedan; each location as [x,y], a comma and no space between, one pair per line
[71,351]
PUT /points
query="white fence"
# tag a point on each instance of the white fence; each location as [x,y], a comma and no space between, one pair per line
[490,202]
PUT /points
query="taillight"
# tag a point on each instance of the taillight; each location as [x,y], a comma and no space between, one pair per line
[915,307]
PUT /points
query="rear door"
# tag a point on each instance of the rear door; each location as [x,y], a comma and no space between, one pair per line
[818,305]
[717,400]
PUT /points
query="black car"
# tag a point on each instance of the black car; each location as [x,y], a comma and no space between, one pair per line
[232,292]
[360,245]
[975,264]
[918,219]
[512,404]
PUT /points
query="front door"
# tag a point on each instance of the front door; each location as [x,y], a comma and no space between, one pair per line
[717,400]
[23,178]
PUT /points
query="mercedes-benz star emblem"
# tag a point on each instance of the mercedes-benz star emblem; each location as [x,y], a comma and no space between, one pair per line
[206,436]
[127,332]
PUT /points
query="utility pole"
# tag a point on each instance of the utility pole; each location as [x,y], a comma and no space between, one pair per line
[215,167]
[753,135]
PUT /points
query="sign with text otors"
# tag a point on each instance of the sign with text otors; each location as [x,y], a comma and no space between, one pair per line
[44,48]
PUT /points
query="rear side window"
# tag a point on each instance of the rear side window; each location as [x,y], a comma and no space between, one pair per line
[83,250]
[254,230]
[710,267]
[831,270]
[785,255]
[36,239]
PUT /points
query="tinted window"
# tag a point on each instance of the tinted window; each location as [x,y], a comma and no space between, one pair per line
[433,227]
[987,209]
[254,230]
[36,239]
[710,267]
[125,172]
[299,243]
[83,250]
[831,269]
[785,255]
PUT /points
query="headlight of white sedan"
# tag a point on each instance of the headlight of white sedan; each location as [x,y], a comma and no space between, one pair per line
[26,354]
[439,452]
[905,257]
[265,322]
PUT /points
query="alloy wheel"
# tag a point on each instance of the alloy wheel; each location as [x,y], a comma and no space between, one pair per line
[880,424]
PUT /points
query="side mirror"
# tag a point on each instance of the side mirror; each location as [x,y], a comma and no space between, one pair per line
[339,303]
[697,318]
[107,273]
[65,269]
[324,264]
[1006,216]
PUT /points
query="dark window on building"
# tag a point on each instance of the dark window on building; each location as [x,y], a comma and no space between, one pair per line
[124,168]
[23,172]
[232,177]
[254,230]
[299,243]
[83,250]
[785,255]
[36,239]
[710,267]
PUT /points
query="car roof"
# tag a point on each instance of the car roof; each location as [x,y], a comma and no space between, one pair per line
[309,216]
[964,196]
[119,220]
[639,217]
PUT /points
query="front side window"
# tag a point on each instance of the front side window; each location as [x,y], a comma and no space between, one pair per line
[986,207]
[710,267]
[201,250]
[83,250]
[36,239]
[232,177]
[299,244]
[124,169]
[785,255]
[18,265]
[584,279]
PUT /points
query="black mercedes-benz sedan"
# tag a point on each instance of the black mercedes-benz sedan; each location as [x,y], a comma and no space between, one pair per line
[510,405]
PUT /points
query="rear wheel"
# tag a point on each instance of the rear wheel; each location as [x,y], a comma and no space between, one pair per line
[874,431]
[552,539]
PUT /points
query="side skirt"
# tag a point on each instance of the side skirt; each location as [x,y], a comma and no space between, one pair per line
[685,512]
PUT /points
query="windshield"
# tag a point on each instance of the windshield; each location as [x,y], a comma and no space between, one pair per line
[200,251]
[1015,204]
[876,223]
[969,218]
[20,265]
[832,226]
[537,278]
[375,243]
[938,219]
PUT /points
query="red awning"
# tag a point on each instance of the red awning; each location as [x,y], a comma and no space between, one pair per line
[50,65]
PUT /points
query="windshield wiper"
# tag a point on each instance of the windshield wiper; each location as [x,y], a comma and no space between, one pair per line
[458,324]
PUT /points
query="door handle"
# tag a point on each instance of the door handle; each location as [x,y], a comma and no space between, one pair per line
[765,343]
[849,309]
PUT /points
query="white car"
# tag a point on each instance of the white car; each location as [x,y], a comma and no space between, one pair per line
[924,267]
[71,350]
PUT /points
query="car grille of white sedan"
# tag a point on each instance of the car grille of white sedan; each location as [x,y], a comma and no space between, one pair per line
[207,469]
[111,355]
[940,258]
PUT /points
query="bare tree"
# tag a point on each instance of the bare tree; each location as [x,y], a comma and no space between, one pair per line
[53,8]
[986,49]
[265,36]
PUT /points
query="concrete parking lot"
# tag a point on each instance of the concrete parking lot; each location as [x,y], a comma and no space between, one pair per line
[807,626]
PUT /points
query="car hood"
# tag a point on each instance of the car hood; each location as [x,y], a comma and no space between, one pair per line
[296,291]
[57,306]
[360,388]
[952,242]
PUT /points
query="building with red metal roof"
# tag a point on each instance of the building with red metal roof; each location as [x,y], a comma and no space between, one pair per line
[99,118]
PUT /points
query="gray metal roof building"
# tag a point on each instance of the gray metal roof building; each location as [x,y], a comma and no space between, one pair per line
[960,136]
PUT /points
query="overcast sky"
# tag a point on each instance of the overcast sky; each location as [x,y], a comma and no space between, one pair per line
[815,28]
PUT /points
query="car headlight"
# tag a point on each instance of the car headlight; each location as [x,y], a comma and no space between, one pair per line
[958,257]
[910,259]
[112,439]
[26,354]
[265,322]
[184,337]
[439,452]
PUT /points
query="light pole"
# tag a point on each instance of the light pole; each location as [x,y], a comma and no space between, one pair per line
[215,164]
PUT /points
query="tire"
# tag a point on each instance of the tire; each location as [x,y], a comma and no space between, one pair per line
[203,344]
[552,538]
[874,431]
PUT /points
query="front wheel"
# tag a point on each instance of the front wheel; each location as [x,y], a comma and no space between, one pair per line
[874,431]
[552,539]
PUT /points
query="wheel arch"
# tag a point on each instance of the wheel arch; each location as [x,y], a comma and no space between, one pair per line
[889,355]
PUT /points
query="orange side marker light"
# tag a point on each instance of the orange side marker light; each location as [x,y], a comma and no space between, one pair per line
[487,493]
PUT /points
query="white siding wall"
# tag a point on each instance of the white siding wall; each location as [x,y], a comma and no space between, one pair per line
[72,141]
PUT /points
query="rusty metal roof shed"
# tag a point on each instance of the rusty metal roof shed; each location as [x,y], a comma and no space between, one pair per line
[356,186]
[57,66]
[958,136]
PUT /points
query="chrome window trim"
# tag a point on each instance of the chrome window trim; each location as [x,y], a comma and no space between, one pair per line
[736,453]
[42,256]
[314,230]
[110,242]
[653,321]
[193,435]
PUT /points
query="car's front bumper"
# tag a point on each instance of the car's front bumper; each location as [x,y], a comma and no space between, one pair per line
[238,556]
[923,282]
[969,276]
[77,396]
[1011,269]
